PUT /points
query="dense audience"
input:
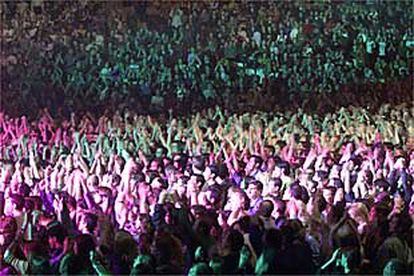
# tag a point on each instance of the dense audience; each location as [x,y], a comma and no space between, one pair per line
[206,137]
[80,54]
[212,193]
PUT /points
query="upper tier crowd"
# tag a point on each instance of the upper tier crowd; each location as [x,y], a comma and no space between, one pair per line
[261,193]
[78,54]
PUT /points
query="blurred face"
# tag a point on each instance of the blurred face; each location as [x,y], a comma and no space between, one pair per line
[252,192]
[398,203]
[271,164]
[277,172]
[82,224]
[273,189]
[211,197]
[103,199]
[277,211]
[181,190]
[237,201]
[53,243]
[9,207]
[328,196]
[250,165]
[339,195]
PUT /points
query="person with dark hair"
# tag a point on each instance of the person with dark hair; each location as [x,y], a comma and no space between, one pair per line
[347,257]
[294,247]
[282,171]
[399,179]
[56,236]
[399,244]
[377,232]
[233,243]
[268,261]
[14,205]
[253,166]
[254,192]
[198,165]
[265,212]
[76,259]
[167,253]
[279,210]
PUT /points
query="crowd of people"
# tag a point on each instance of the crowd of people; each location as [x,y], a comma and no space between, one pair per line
[78,54]
[211,193]
[206,137]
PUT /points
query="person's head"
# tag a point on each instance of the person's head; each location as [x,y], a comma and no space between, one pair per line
[254,190]
[125,246]
[359,213]
[213,196]
[88,223]
[238,200]
[379,213]
[281,169]
[233,241]
[279,209]
[273,187]
[24,190]
[329,195]
[56,236]
[398,202]
[14,205]
[92,182]
[400,224]
[181,185]
[176,146]
[207,147]
[254,164]
[33,249]
[210,172]
[8,228]
[83,244]
[103,198]
[271,163]
[344,234]
[196,181]
[198,164]
[171,174]
[166,248]
[396,267]
[179,161]
[155,165]
[299,193]
[266,208]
